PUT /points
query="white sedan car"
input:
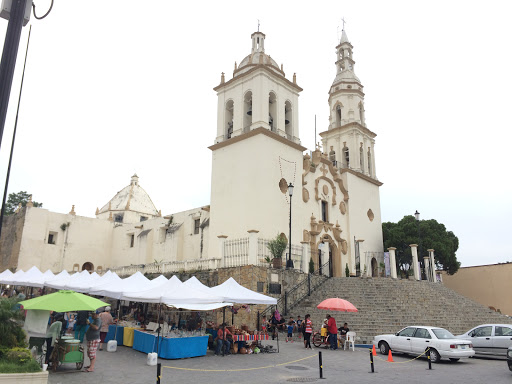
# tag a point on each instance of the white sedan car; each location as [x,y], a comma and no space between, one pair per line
[490,339]
[415,340]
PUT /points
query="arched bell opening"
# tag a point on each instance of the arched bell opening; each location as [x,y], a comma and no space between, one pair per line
[247,111]
[229,119]
[272,111]
[288,123]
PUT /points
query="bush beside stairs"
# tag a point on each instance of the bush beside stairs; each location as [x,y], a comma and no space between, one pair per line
[386,306]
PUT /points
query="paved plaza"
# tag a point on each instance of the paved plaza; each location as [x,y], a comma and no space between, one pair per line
[292,364]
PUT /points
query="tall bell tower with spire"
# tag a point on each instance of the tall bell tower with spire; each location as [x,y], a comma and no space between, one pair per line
[348,141]
[349,145]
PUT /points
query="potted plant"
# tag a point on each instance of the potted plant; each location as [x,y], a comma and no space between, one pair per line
[276,247]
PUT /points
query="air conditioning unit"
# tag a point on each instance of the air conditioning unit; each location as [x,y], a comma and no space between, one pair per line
[5,11]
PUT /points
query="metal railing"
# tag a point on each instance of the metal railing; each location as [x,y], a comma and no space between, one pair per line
[168,266]
[236,252]
[304,288]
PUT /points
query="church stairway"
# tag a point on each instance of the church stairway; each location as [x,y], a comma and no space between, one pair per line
[386,306]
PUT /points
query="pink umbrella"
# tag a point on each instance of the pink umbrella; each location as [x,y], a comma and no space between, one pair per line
[337,305]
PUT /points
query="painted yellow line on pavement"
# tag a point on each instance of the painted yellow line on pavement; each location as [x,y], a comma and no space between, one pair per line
[238,370]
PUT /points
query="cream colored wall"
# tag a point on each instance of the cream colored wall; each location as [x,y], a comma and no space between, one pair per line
[245,192]
[488,285]
[363,196]
[85,240]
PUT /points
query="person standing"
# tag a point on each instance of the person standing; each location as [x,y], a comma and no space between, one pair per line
[81,325]
[52,334]
[308,331]
[106,321]
[93,340]
[300,329]
[333,332]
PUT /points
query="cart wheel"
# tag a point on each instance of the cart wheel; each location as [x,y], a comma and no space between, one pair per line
[317,340]
[80,365]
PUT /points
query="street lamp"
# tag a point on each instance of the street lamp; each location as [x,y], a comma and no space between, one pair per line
[417,216]
[289,262]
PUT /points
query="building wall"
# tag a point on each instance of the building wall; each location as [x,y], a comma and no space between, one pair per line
[245,192]
[10,242]
[488,285]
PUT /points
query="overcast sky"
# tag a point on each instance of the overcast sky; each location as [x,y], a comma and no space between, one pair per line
[114,88]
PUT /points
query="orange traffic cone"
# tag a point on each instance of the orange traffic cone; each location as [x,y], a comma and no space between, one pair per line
[390,357]
[374,352]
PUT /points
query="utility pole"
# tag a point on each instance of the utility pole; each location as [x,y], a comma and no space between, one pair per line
[9,55]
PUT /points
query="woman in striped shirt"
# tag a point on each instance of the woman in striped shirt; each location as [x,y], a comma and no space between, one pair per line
[308,331]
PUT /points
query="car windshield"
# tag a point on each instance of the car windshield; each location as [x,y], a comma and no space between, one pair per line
[442,333]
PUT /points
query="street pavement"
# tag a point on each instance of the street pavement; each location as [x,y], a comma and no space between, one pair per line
[292,364]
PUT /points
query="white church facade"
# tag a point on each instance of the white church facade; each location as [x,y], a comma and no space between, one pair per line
[256,155]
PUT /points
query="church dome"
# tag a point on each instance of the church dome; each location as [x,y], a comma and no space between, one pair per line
[257,57]
[131,198]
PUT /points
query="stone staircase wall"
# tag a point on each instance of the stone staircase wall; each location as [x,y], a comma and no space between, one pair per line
[386,306]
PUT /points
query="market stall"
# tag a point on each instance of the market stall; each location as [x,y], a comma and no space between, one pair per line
[177,347]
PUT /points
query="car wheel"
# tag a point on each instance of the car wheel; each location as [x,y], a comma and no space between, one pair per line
[435,357]
[453,359]
[384,348]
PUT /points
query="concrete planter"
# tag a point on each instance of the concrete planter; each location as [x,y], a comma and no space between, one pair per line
[24,378]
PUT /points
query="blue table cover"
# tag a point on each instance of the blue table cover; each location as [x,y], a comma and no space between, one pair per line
[112,331]
[171,348]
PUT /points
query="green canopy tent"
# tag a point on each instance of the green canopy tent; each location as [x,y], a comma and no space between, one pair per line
[64,301]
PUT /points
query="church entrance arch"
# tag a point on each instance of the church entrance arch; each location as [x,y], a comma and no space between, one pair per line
[375,268]
[88,266]
[331,254]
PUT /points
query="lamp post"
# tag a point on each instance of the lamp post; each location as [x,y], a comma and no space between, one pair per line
[417,216]
[289,262]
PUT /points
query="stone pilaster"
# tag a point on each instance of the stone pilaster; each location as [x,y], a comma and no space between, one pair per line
[253,247]
[426,265]
[433,264]
[222,241]
[414,251]
[392,262]
[305,256]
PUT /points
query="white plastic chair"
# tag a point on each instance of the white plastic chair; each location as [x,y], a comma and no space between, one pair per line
[351,340]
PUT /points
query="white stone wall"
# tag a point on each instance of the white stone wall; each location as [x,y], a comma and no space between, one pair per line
[245,190]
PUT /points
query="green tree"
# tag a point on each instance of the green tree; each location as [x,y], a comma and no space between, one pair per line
[15,199]
[433,236]
[11,333]
[277,246]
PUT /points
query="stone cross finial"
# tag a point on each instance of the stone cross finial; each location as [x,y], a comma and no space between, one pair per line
[294,78]
[222,78]
[72,212]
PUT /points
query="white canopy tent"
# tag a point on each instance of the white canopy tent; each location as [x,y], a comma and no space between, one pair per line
[231,291]
[115,289]
[62,283]
[195,283]
[5,275]
[86,285]
[176,294]
[12,279]
[35,278]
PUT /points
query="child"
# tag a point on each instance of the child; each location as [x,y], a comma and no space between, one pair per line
[291,325]
[264,324]
[71,324]
[299,325]
[323,331]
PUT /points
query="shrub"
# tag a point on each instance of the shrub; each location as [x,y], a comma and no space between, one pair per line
[347,271]
[311,265]
[29,367]
[11,333]
[19,356]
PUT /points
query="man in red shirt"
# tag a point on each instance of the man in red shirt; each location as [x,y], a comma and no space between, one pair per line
[333,332]
[220,340]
